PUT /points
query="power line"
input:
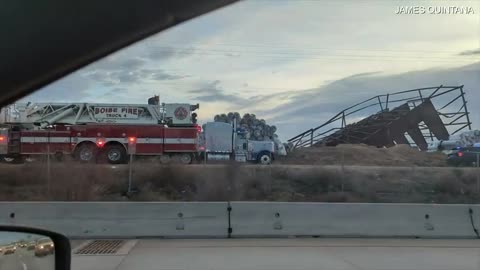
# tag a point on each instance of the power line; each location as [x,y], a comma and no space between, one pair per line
[315,56]
[309,47]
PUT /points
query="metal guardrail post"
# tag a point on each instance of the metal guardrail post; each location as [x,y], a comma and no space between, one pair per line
[478,172]
[311,137]
[48,167]
[130,164]
[380,103]
[462,93]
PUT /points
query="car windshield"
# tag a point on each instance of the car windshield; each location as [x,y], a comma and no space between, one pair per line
[217,126]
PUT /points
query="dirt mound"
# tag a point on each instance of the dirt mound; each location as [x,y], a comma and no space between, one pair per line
[359,154]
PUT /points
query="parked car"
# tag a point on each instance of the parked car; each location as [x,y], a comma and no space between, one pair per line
[31,245]
[44,247]
[464,156]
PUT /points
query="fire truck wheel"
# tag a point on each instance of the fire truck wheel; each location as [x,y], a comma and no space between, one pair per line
[115,154]
[185,158]
[86,153]
[12,159]
[8,159]
[165,159]
[264,158]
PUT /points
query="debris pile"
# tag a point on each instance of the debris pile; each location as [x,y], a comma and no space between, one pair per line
[364,155]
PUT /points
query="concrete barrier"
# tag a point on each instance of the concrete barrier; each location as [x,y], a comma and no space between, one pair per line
[250,219]
[245,219]
[121,219]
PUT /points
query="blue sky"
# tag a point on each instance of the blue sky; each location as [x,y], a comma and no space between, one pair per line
[263,56]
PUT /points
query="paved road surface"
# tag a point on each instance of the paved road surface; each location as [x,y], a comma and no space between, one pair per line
[289,254]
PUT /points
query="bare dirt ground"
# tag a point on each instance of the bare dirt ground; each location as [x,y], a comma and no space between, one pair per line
[348,154]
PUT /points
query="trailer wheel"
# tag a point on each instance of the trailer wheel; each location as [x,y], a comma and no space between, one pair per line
[115,154]
[86,153]
[9,159]
[12,160]
[165,159]
[264,158]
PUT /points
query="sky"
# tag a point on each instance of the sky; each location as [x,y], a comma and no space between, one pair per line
[295,63]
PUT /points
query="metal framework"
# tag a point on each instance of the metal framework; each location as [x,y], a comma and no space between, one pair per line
[45,114]
[449,102]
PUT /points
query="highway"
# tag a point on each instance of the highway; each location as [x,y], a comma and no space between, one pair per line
[288,254]
[24,259]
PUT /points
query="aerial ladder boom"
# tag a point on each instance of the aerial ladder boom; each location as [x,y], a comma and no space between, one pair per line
[42,115]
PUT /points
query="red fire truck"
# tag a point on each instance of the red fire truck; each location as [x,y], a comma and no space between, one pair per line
[92,131]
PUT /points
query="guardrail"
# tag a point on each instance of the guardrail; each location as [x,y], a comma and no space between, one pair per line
[244,219]
[121,219]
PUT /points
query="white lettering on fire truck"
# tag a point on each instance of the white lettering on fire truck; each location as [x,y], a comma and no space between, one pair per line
[117,112]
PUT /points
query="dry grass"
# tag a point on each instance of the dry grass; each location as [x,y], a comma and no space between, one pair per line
[77,182]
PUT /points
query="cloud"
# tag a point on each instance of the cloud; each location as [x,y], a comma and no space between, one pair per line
[116,63]
[161,75]
[471,52]
[312,107]
[117,69]
[164,53]
[212,92]
[71,88]
[161,54]
[131,76]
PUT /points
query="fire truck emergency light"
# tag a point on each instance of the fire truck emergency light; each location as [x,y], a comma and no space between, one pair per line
[100,142]
[132,145]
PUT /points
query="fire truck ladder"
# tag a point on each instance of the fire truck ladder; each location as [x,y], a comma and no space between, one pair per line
[45,114]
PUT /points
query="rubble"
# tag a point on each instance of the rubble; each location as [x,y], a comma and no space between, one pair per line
[258,128]
[364,155]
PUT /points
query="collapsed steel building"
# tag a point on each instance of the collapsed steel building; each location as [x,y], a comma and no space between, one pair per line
[410,117]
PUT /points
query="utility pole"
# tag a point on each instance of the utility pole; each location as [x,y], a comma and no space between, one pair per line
[478,172]
[132,148]
[48,167]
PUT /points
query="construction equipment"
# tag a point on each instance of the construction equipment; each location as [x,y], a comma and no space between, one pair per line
[89,131]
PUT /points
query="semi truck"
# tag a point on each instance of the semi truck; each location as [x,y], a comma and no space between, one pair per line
[222,141]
